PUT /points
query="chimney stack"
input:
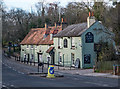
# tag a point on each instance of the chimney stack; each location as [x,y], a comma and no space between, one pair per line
[63,24]
[55,25]
[62,20]
[90,19]
[45,26]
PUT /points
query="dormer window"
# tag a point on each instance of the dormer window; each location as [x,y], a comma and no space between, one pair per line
[65,43]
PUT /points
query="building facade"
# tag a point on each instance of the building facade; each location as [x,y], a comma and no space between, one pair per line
[37,46]
[75,45]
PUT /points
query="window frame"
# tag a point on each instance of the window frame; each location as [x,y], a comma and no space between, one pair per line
[31,46]
[27,47]
[73,58]
[65,43]
[72,42]
[89,59]
[60,57]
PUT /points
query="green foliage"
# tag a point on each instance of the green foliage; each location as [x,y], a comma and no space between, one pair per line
[17,22]
[32,25]
[99,9]
[97,71]
[107,52]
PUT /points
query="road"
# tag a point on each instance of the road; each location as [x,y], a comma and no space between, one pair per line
[12,77]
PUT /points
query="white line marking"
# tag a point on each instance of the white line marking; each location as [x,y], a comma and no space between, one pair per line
[3,86]
[14,69]
[9,67]
[11,85]
[98,84]
[20,72]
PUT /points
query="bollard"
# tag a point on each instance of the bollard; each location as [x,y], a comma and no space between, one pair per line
[94,68]
[114,69]
[19,58]
[42,67]
[34,63]
[118,69]
[51,72]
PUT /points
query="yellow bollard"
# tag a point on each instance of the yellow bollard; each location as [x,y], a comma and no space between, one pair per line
[51,72]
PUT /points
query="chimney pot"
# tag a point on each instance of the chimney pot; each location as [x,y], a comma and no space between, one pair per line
[89,14]
[62,20]
[45,26]
[55,25]
[92,13]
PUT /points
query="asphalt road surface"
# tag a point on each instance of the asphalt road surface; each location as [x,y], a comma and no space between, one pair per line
[14,78]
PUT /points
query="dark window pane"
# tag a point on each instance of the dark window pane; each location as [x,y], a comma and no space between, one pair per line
[65,43]
[87,58]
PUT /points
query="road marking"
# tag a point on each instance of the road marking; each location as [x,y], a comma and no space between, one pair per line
[20,72]
[105,85]
[13,69]
[3,86]
[11,85]
[9,67]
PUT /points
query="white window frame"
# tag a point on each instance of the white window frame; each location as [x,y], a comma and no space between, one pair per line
[60,42]
[73,59]
[31,46]
[60,56]
[27,47]
[32,57]
[73,42]
[35,46]
[65,42]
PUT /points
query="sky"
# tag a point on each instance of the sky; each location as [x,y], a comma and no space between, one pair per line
[27,4]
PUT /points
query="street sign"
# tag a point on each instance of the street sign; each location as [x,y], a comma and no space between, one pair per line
[51,72]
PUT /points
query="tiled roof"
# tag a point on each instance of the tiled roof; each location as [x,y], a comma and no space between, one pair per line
[36,36]
[72,30]
[50,49]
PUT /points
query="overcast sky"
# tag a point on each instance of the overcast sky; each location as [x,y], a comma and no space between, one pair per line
[26,4]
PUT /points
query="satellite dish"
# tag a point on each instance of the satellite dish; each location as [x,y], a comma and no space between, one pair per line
[77,63]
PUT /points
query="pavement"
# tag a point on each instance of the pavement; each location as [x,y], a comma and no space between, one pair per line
[83,72]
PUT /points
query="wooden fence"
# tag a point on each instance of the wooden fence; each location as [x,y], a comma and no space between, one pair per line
[104,66]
